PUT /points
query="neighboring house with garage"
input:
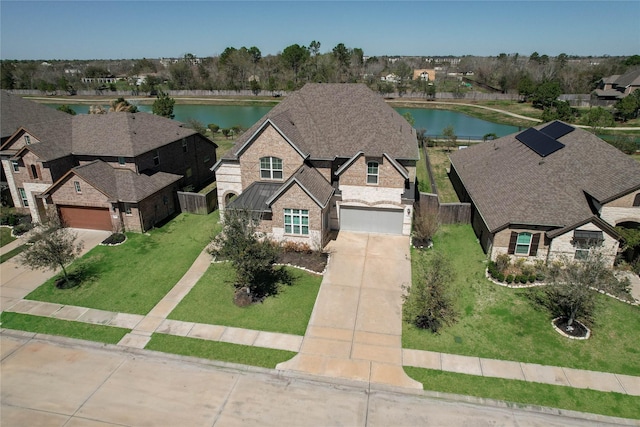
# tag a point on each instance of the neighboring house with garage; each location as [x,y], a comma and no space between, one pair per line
[106,171]
[328,157]
[549,191]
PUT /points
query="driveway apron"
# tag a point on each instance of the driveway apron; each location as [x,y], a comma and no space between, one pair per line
[355,330]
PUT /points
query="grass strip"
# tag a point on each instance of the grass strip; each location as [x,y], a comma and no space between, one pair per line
[211,302]
[496,322]
[12,253]
[214,350]
[65,328]
[6,236]
[135,276]
[528,393]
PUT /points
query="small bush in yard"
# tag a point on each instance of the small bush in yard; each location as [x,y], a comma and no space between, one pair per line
[509,279]
[428,303]
[503,261]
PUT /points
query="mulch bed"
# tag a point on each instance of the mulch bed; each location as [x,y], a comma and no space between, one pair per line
[579,330]
[315,261]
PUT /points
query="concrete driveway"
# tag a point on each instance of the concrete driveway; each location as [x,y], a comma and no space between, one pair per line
[17,281]
[355,330]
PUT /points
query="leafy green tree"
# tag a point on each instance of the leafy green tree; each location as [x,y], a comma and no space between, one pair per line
[294,57]
[214,128]
[559,110]
[598,118]
[428,303]
[546,94]
[385,88]
[632,60]
[181,75]
[150,84]
[122,105]
[451,138]
[163,105]
[624,143]
[526,87]
[53,248]
[7,77]
[627,107]
[66,109]
[252,257]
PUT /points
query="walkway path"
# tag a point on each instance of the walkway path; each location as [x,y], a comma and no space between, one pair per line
[345,337]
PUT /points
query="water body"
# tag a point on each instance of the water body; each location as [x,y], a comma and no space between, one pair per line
[227,116]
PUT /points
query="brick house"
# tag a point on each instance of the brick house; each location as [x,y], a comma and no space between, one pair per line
[618,86]
[105,171]
[548,191]
[328,157]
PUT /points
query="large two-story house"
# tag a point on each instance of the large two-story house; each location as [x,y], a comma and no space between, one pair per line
[328,157]
[105,171]
[549,191]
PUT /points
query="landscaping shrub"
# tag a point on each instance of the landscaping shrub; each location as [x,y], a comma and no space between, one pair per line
[523,279]
[532,278]
[510,278]
[503,261]
[22,228]
[115,239]
[298,247]
[500,277]
[425,226]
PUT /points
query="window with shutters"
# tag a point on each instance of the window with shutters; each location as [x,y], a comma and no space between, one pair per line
[524,243]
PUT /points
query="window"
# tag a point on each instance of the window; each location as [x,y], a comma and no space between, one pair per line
[15,165]
[127,209]
[584,240]
[27,139]
[189,172]
[156,158]
[296,221]
[206,159]
[270,168]
[523,244]
[34,172]
[185,147]
[582,253]
[23,196]
[76,184]
[121,161]
[636,200]
[372,172]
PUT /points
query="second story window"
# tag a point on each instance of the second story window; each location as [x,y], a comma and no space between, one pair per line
[15,165]
[270,168]
[185,147]
[27,139]
[156,158]
[121,161]
[372,172]
[76,184]
[34,172]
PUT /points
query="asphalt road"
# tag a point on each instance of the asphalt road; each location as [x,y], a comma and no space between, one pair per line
[58,381]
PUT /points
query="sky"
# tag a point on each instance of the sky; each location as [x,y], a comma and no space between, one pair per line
[87,29]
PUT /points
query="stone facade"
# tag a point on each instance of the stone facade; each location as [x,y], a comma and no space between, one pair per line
[621,210]
[563,245]
[500,244]
[297,198]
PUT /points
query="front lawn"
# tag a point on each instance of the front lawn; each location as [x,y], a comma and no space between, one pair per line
[65,328]
[5,236]
[502,323]
[211,302]
[214,350]
[528,393]
[135,276]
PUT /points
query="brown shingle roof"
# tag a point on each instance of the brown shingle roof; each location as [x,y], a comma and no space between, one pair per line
[511,184]
[123,184]
[312,182]
[16,111]
[338,120]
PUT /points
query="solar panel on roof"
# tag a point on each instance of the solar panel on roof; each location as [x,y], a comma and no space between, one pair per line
[557,130]
[539,142]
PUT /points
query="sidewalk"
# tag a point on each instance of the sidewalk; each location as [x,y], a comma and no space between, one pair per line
[142,327]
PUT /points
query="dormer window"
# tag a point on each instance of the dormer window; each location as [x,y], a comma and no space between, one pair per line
[372,173]
[270,168]
[76,184]
[27,139]
[121,161]
[156,158]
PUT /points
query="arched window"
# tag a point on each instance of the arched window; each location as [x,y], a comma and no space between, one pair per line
[270,168]
[636,201]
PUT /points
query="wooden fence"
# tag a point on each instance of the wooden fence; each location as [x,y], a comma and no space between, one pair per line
[197,203]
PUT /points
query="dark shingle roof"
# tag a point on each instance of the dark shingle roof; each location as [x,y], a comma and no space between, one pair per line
[16,111]
[338,120]
[511,184]
[312,182]
[255,196]
[123,184]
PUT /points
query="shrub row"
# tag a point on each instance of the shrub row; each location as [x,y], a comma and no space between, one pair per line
[496,274]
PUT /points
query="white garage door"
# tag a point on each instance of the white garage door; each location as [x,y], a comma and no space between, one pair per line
[370,220]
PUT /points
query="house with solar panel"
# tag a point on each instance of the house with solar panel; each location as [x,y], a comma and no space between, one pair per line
[551,190]
[328,157]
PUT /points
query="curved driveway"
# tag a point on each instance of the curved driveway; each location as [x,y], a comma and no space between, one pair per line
[355,330]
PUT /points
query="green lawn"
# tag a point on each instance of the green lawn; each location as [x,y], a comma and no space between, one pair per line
[133,277]
[226,352]
[502,323]
[12,253]
[424,184]
[65,328]
[211,302]
[439,159]
[5,236]
[583,400]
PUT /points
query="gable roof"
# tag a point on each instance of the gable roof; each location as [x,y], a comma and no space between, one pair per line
[16,111]
[311,182]
[510,183]
[326,121]
[113,134]
[401,169]
[119,184]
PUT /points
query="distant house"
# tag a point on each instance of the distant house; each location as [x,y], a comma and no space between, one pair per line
[104,171]
[427,75]
[328,157]
[548,191]
[618,86]
[393,78]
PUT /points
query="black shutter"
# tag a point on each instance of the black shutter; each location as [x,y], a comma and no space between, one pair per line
[512,243]
[535,240]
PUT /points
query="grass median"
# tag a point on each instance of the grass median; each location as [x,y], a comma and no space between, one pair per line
[527,393]
[135,276]
[502,323]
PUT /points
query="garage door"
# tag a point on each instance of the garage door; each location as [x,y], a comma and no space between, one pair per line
[91,218]
[370,220]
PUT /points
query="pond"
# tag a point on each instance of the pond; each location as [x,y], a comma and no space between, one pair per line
[226,116]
